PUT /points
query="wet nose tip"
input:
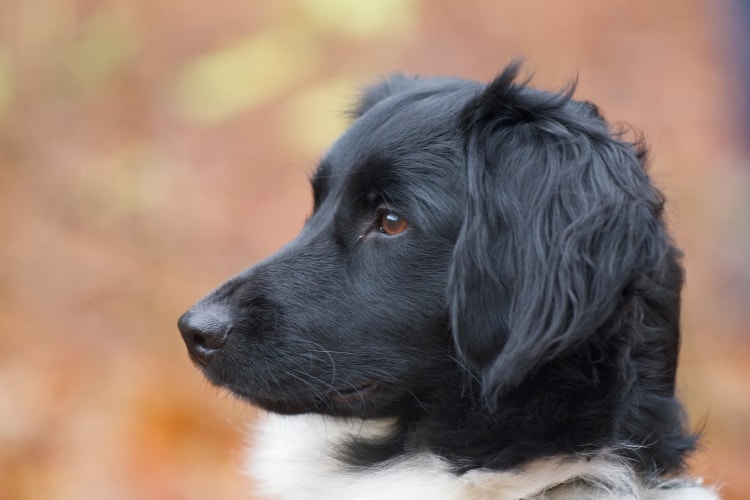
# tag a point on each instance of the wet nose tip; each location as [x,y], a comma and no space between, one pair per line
[205,331]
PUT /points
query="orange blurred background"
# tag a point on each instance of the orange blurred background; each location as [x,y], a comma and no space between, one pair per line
[151,149]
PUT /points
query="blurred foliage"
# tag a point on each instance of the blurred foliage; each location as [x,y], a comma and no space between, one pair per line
[120,185]
[244,74]
[328,103]
[6,84]
[106,43]
[360,18]
[259,67]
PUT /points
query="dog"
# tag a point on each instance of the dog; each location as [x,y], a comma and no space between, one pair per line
[484,304]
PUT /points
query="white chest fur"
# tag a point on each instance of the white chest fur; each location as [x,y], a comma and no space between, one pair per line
[292,458]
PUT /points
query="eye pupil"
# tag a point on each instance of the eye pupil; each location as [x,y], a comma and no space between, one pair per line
[392,224]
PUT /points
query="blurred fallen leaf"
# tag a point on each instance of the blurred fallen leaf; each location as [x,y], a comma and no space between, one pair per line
[361,18]
[6,84]
[317,117]
[107,43]
[234,79]
[120,185]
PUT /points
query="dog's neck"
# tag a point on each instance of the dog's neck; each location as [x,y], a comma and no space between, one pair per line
[295,458]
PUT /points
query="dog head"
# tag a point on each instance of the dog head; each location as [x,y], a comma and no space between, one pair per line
[460,232]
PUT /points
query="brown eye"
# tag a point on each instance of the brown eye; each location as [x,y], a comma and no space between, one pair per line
[392,224]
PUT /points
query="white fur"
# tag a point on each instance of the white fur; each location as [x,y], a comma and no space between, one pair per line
[293,458]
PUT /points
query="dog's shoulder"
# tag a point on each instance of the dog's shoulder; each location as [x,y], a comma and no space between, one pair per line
[295,458]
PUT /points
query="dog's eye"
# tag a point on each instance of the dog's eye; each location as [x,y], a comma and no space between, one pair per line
[392,224]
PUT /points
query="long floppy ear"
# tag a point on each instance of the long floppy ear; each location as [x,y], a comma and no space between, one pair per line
[560,220]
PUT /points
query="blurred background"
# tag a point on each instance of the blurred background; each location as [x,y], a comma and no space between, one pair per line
[150,149]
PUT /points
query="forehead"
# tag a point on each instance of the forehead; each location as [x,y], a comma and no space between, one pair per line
[416,126]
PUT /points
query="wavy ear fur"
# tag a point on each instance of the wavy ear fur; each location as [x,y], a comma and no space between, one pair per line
[560,220]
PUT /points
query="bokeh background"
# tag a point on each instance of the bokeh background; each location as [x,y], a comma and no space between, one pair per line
[149,149]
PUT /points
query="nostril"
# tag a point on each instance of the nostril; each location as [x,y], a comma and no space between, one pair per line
[199,341]
[213,339]
[205,332]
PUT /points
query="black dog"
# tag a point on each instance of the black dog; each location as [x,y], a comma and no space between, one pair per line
[484,303]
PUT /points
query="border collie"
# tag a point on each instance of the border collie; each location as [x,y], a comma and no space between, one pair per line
[484,304]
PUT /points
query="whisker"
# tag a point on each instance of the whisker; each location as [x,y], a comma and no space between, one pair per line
[328,353]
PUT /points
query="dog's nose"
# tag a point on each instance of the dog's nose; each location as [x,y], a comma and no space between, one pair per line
[205,331]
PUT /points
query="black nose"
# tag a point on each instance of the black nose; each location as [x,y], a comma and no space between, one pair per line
[205,331]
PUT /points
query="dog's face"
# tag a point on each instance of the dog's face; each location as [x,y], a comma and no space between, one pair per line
[351,316]
[459,231]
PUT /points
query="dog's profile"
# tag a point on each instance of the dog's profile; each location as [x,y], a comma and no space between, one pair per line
[484,304]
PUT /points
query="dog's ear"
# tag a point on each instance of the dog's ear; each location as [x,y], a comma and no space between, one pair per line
[394,84]
[560,220]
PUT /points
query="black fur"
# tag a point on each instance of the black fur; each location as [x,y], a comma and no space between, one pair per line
[530,309]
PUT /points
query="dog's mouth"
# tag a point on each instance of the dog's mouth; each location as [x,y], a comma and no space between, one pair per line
[352,394]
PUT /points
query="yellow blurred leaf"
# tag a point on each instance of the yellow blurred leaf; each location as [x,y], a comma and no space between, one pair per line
[361,18]
[317,117]
[105,46]
[238,77]
[6,84]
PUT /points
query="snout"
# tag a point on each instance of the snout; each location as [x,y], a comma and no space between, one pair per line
[205,330]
